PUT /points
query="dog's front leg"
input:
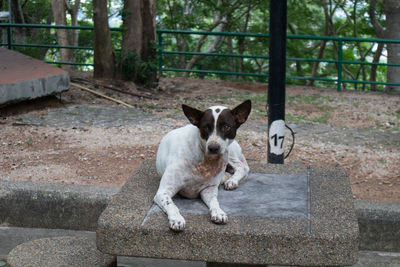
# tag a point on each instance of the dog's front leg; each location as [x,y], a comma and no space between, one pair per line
[239,165]
[163,198]
[209,196]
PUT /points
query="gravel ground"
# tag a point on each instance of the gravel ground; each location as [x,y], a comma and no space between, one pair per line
[80,138]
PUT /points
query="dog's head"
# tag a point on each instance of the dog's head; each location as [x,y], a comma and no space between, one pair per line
[218,125]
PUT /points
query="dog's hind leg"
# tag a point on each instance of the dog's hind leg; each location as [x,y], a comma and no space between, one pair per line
[240,167]
[209,196]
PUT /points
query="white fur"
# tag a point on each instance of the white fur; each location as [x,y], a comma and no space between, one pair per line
[186,168]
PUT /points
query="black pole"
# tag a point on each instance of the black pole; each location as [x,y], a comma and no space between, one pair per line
[276,80]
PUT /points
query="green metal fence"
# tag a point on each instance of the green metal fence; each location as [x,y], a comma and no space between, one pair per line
[339,61]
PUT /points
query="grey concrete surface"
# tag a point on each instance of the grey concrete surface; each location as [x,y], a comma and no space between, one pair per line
[379,225]
[23,77]
[328,236]
[50,205]
[59,251]
[261,194]
[11,237]
[30,204]
[34,88]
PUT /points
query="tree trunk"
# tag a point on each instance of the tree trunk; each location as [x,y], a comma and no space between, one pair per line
[299,69]
[58,8]
[138,42]
[314,71]
[379,31]
[18,17]
[104,57]
[392,11]
[377,55]
[241,40]
[219,22]
[213,47]
[73,11]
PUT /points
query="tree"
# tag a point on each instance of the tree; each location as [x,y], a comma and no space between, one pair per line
[328,18]
[138,49]
[392,11]
[60,8]
[104,56]
[18,17]
[222,10]
[392,31]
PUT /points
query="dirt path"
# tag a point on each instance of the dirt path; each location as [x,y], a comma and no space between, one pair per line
[82,139]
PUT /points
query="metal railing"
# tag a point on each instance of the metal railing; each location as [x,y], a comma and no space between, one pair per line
[339,61]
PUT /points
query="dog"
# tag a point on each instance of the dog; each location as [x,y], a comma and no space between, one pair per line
[195,159]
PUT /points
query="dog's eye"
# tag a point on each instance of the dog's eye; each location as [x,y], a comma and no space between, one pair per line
[209,127]
[226,128]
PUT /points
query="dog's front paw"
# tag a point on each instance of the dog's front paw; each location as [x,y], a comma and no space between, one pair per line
[231,184]
[218,216]
[177,223]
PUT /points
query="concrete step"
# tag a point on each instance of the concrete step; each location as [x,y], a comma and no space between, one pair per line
[23,77]
[11,237]
[59,251]
[296,215]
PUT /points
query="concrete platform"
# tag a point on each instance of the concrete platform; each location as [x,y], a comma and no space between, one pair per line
[23,77]
[10,237]
[59,251]
[300,216]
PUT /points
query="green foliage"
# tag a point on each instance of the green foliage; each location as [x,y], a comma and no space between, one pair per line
[130,64]
[305,17]
[133,66]
[36,12]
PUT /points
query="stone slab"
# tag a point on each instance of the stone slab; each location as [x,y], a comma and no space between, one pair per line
[262,194]
[379,224]
[51,205]
[59,251]
[10,237]
[328,236]
[59,206]
[23,77]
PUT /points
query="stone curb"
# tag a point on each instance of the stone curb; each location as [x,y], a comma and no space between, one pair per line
[379,225]
[77,207]
[59,251]
[26,78]
[51,205]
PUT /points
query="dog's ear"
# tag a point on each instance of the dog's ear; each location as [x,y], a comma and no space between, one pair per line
[194,115]
[241,112]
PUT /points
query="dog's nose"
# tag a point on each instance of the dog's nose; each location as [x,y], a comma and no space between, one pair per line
[213,148]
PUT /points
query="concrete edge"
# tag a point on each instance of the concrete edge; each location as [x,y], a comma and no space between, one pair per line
[51,205]
[78,207]
[379,225]
[33,88]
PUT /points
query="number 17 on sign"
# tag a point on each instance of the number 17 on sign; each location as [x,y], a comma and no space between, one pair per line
[276,137]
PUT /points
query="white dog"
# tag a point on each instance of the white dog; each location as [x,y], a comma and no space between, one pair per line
[195,159]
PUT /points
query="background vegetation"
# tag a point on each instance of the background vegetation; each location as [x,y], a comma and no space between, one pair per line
[349,18]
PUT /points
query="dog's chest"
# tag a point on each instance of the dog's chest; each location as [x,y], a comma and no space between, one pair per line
[208,169]
[202,175]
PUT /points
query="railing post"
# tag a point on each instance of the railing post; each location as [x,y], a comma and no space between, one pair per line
[160,51]
[9,37]
[10,21]
[339,66]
